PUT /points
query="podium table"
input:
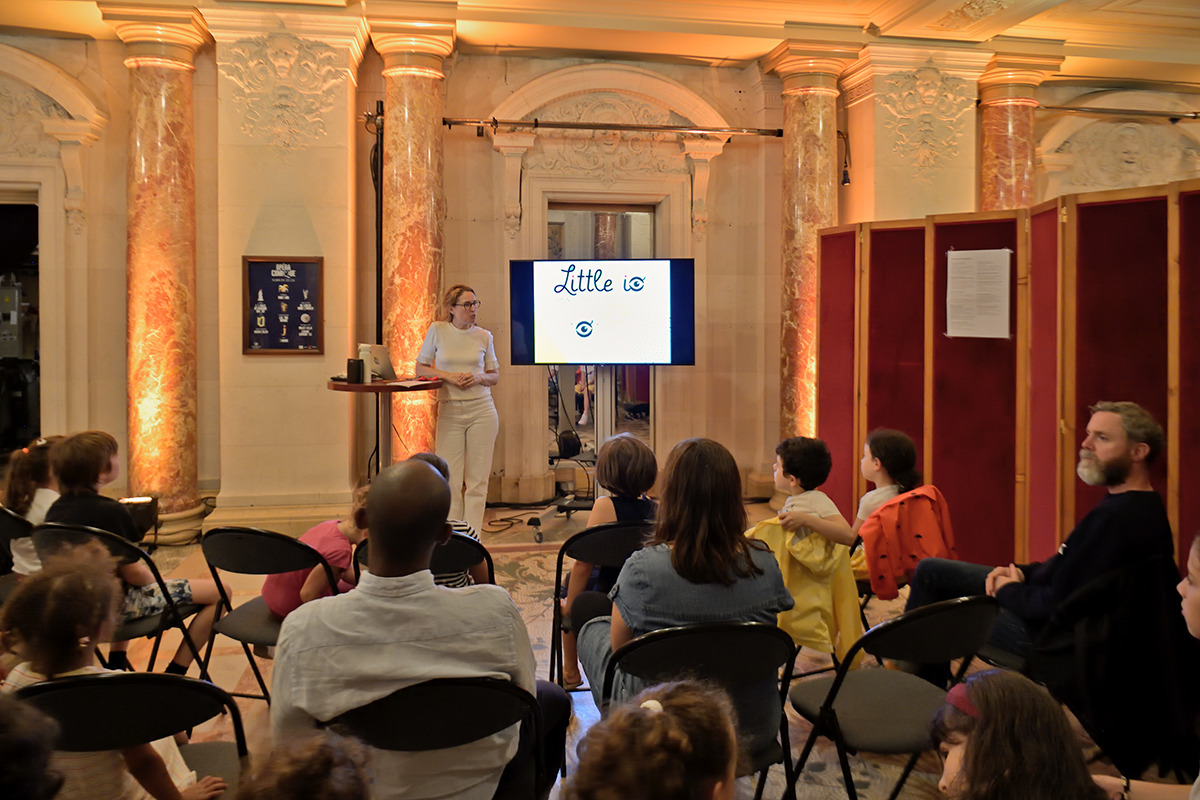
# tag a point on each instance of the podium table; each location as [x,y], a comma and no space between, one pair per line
[383,391]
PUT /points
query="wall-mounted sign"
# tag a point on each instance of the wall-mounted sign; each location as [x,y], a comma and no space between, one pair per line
[283,305]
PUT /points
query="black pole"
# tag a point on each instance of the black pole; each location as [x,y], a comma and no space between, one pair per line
[377,174]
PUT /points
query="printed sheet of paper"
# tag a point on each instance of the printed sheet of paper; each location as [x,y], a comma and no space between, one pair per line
[977,293]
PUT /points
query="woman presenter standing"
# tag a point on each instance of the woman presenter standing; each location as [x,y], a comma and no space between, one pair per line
[462,355]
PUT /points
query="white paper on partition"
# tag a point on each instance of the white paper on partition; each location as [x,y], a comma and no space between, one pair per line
[977,290]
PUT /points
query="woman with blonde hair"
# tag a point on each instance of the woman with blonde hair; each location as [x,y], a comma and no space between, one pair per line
[463,357]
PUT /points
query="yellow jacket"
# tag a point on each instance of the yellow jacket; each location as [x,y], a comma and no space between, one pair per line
[817,573]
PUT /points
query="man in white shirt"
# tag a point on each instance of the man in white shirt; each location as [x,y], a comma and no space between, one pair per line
[396,629]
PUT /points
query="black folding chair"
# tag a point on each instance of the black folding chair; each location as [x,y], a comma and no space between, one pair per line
[52,537]
[607,545]
[882,710]
[449,712]
[253,551]
[740,656]
[458,554]
[12,526]
[117,710]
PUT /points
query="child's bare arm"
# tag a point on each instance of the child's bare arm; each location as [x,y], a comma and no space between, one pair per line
[834,528]
[147,767]
[136,574]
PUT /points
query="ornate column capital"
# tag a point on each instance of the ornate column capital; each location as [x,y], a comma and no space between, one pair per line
[155,35]
[810,66]
[412,38]
[1013,77]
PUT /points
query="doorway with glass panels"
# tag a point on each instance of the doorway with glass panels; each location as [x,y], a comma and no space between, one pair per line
[599,400]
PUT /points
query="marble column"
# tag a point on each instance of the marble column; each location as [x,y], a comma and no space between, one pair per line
[809,204]
[161,257]
[1007,145]
[414,211]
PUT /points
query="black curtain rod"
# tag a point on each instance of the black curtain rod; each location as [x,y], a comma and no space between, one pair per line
[494,123]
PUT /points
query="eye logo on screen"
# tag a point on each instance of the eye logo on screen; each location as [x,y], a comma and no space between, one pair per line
[584,329]
[635,283]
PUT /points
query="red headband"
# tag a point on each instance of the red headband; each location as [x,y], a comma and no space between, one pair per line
[957,697]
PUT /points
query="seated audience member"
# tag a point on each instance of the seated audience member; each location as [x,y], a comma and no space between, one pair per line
[801,466]
[477,573]
[1122,788]
[83,463]
[323,766]
[698,567]
[335,540]
[1002,736]
[54,619]
[27,739]
[890,462]
[815,567]
[398,628]
[1128,525]
[626,467]
[30,492]
[675,741]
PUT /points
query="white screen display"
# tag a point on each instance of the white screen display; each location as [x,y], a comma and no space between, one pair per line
[602,312]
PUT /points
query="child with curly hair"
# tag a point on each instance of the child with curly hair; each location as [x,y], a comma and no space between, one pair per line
[674,741]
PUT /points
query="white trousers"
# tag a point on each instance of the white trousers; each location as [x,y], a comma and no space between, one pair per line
[466,436]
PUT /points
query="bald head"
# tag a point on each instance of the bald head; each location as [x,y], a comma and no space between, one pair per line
[406,512]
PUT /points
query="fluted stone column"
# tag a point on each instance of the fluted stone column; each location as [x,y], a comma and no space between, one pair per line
[810,92]
[161,257]
[1007,146]
[414,209]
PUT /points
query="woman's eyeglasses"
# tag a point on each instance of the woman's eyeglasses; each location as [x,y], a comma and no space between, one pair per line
[472,304]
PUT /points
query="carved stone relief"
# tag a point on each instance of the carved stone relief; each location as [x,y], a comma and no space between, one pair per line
[925,113]
[1123,153]
[22,112]
[969,13]
[608,155]
[282,88]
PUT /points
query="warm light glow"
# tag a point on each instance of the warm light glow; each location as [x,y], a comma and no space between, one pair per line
[158,61]
[1012,101]
[427,72]
[161,287]
[811,90]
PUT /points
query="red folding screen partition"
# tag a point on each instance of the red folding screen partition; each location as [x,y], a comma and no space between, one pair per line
[973,448]
[1184,453]
[1105,299]
[837,296]
[1043,473]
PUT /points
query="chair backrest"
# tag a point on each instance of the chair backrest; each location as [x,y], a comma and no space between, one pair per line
[438,713]
[729,653]
[607,545]
[944,631]
[254,551]
[50,538]
[12,526]
[116,710]
[458,554]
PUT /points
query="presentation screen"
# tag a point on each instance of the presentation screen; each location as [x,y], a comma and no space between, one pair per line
[627,311]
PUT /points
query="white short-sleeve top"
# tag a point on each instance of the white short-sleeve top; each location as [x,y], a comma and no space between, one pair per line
[453,350]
